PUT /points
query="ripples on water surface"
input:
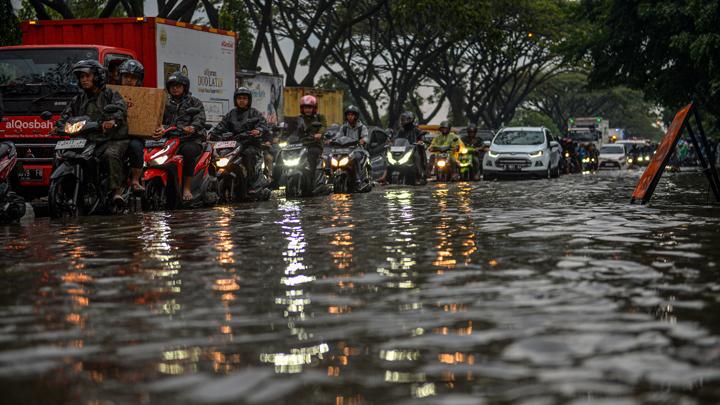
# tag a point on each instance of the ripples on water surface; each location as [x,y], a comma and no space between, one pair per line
[518,292]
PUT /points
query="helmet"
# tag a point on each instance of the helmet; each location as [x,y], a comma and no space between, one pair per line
[309,100]
[352,109]
[472,128]
[178,78]
[445,124]
[98,71]
[243,91]
[407,118]
[132,67]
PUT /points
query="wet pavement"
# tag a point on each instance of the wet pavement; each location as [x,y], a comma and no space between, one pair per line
[524,292]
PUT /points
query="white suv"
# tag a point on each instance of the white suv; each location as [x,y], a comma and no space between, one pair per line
[522,151]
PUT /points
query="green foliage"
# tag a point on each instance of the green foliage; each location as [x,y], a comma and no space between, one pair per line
[234,17]
[531,118]
[10,28]
[666,48]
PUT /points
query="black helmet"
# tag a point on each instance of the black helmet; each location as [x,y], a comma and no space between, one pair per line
[243,91]
[407,118]
[178,78]
[352,109]
[445,124]
[472,128]
[98,71]
[132,67]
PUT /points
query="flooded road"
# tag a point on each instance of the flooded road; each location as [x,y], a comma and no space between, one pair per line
[527,292]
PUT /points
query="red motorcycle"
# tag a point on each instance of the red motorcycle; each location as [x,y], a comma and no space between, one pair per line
[163,175]
[12,206]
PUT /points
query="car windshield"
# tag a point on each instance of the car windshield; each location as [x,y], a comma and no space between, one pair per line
[582,136]
[519,138]
[612,150]
[48,66]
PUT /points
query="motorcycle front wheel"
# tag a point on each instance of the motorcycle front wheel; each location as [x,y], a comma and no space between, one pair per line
[61,197]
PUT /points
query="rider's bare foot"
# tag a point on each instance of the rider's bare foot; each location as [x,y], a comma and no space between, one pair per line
[187,195]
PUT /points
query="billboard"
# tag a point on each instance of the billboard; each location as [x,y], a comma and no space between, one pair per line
[206,58]
[267,94]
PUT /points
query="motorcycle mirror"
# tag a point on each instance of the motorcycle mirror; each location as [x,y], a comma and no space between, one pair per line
[554,144]
[46,115]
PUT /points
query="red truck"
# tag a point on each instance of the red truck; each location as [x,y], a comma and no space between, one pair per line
[35,76]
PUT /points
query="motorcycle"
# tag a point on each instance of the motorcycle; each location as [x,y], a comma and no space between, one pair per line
[343,170]
[163,173]
[296,173]
[568,163]
[234,183]
[12,206]
[79,183]
[401,162]
[443,164]
[468,163]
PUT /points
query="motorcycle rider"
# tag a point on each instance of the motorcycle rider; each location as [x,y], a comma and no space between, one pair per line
[310,136]
[132,74]
[236,122]
[357,130]
[94,97]
[193,127]
[410,131]
[472,140]
[446,138]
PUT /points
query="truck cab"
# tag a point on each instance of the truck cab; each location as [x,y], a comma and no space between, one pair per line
[37,78]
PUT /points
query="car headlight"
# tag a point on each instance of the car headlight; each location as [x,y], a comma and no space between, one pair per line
[344,161]
[222,162]
[493,154]
[291,162]
[159,161]
[536,154]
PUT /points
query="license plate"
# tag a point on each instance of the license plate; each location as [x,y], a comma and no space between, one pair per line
[397,149]
[71,144]
[31,175]
[225,144]
[155,143]
[341,151]
[512,168]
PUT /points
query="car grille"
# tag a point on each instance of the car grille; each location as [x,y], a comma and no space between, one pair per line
[519,162]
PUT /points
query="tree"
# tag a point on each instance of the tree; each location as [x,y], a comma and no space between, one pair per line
[10,28]
[489,74]
[668,49]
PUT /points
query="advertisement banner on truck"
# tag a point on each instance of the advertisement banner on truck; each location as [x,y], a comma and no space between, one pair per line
[267,95]
[24,126]
[206,58]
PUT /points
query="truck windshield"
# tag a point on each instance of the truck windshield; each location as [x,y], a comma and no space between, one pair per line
[582,136]
[519,138]
[39,79]
[40,66]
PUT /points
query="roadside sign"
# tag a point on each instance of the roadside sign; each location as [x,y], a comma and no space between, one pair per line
[650,178]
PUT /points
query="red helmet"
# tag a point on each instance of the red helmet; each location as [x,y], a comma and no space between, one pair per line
[309,100]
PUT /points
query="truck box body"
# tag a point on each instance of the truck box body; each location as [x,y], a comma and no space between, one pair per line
[205,55]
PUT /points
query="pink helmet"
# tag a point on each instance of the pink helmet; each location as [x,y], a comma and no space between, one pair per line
[309,100]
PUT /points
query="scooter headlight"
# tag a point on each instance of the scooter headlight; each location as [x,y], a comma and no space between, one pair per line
[282,144]
[391,159]
[630,160]
[333,162]
[567,155]
[222,162]
[159,161]
[463,151]
[74,127]
[405,158]
[344,161]
[493,154]
[292,162]
[441,163]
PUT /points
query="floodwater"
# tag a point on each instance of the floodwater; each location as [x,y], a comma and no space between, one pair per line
[523,292]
